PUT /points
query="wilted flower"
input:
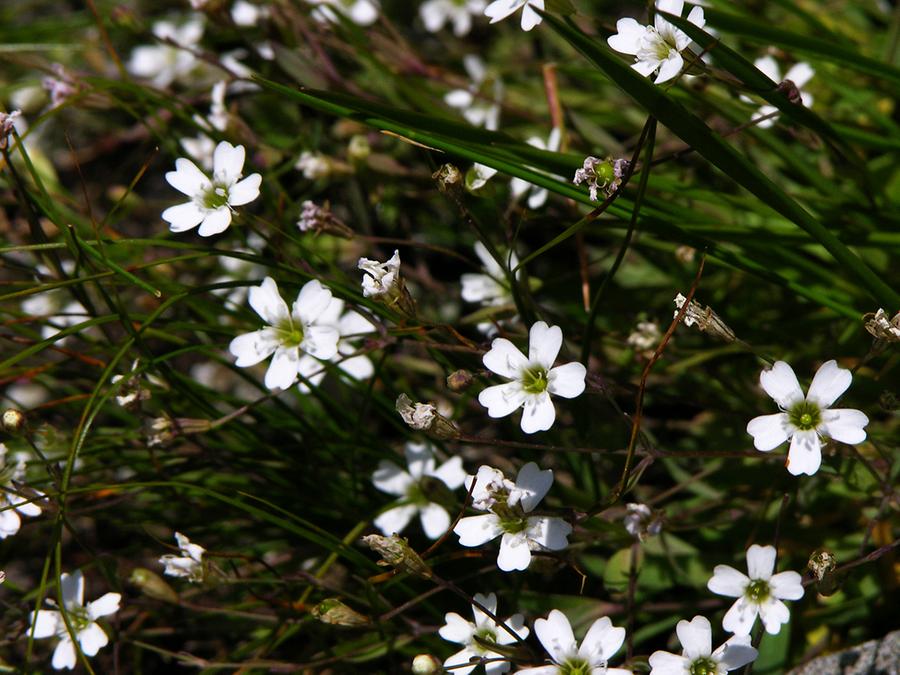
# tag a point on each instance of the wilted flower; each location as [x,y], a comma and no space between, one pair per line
[459,13]
[82,618]
[601,174]
[189,565]
[881,328]
[165,63]
[212,201]
[532,379]
[705,318]
[383,282]
[425,417]
[761,593]
[478,637]
[335,612]
[509,518]
[803,420]
[396,552]
[500,9]
[657,47]
[641,521]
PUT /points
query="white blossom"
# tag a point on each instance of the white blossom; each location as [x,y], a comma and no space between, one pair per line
[698,656]
[532,378]
[521,187]
[480,102]
[13,505]
[188,565]
[657,47]
[500,9]
[490,289]
[459,13]
[510,519]
[165,63]
[360,12]
[415,492]
[477,637]
[82,618]
[381,278]
[600,644]
[212,200]
[805,420]
[641,521]
[245,13]
[798,75]
[296,337]
[314,165]
[56,307]
[759,594]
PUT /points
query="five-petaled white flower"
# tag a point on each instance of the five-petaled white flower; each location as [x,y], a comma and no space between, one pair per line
[82,618]
[656,47]
[435,13]
[532,378]
[799,74]
[520,186]
[510,506]
[360,12]
[698,657]
[761,593]
[12,505]
[500,9]
[164,63]
[491,288]
[477,637]
[212,201]
[599,645]
[296,336]
[189,564]
[804,419]
[415,487]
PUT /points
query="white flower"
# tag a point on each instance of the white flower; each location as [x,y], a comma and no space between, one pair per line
[798,75]
[296,336]
[360,12]
[761,593]
[531,379]
[409,485]
[245,13]
[656,47]
[521,533]
[189,564]
[641,522]
[645,336]
[352,327]
[212,201]
[475,637]
[491,485]
[500,9]
[698,657]
[11,504]
[83,619]
[314,165]
[435,13]
[202,147]
[478,176]
[164,63]
[490,289]
[380,278]
[804,420]
[521,186]
[599,645]
[480,103]
[55,307]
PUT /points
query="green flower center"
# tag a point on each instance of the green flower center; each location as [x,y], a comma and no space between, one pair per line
[534,380]
[415,495]
[805,415]
[79,618]
[484,638]
[575,666]
[757,591]
[216,197]
[704,666]
[290,333]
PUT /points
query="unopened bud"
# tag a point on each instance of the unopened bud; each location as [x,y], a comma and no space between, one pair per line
[705,318]
[335,612]
[459,380]
[152,585]
[13,421]
[426,664]
[359,149]
[449,178]
[396,552]
[823,563]
[425,417]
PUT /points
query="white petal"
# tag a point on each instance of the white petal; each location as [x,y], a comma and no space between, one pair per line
[666,663]
[460,658]
[781,384]
[530,18]
[727,581]
[532,485]
[435,520]
[268,303]
[670,6]
[695,636]
[805,454]
[390,478]
[539,670]
[736,652]
[500,9]
[459,98]
[46,623]
[489,602]
[670,68]
[312,301]
[183,217]
[517,623]
[502,399]
[544,343]
[64,654]
[505,359]
[628,38]
[419,459]
[311,371]
[215,222]
[800,74]
[357,367]
[478,530]
[538,413]
[26,508]
[321,341]
[774,613]
[829,383]
[550,533]
[456,629]
[353,323]
[92,639]
[245,191]
[72,588]
[228,162]
[451,472]
[601,642]
[566,380]
[187,178]
[394,521]
[770,431]
[844,424]
[646,67]
[10,523]
[252,348]
[696,17]
[104,606]
[555,634]
[787,585]
[740,617]
[769,68]
[760,562]
[282,372]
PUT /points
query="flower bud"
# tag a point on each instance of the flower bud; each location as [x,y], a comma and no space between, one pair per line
[152,585]
[459,380]
[426,664]
[396,552]
[335,612]
[13,421]
[358,150]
